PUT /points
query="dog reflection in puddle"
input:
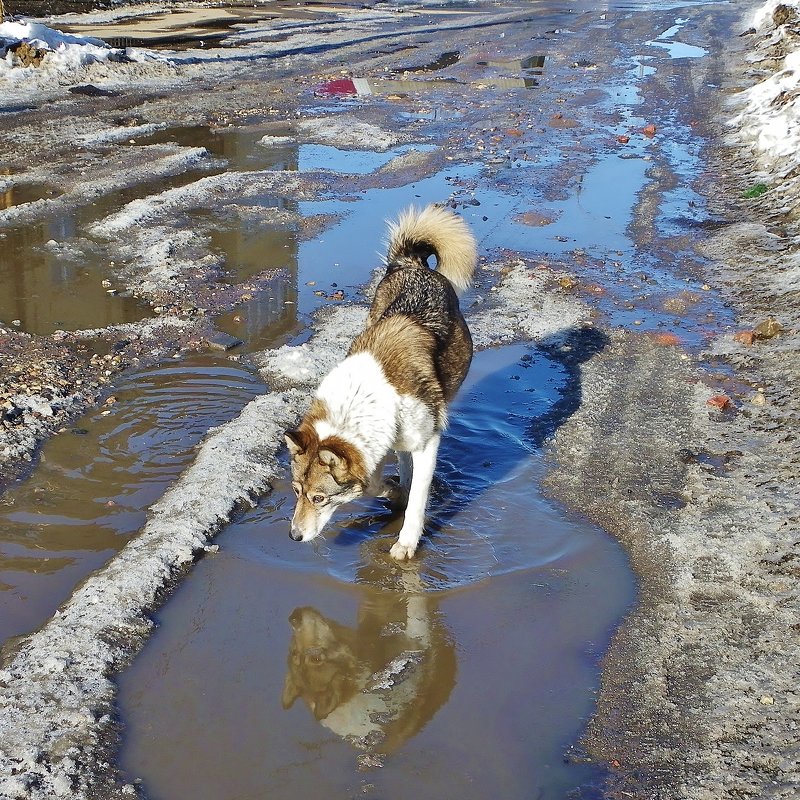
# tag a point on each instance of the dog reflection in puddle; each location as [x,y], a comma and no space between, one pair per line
[378,684]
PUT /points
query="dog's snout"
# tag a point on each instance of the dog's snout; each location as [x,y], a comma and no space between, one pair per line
[295,535]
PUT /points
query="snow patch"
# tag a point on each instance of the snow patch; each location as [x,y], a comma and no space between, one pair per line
[767,115]
[64,53]
[348,132]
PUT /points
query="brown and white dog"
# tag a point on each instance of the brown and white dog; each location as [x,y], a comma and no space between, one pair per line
[376,684]
[391,391]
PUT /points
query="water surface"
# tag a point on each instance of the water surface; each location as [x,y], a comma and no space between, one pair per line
[280,668]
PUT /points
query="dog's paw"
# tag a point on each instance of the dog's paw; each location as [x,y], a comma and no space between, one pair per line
[402,552]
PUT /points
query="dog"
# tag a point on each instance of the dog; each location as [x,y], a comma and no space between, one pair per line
[392,390]
[376,685]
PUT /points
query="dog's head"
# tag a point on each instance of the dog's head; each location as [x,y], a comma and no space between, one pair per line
[322,667]
[325,474]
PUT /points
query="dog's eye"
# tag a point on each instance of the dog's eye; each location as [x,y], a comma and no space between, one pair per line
[318,498]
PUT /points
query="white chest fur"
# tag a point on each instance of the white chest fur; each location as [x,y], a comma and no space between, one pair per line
[362,406]
[367,411]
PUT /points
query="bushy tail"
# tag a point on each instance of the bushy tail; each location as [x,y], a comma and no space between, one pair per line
[417,234]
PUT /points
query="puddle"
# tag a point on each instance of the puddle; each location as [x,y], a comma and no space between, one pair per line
[51,273]
[362,87]
[445,60]
[535,63]
[47,285]
[268,320]
[249,246]
[470,499]
[95,482]
[674,48]
[19,194]
[237,145]
[315,157]
[347,254]
[280,667]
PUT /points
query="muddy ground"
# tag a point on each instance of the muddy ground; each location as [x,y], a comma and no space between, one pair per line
[680,439]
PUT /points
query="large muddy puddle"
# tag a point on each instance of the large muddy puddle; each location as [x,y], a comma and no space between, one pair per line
[279,668]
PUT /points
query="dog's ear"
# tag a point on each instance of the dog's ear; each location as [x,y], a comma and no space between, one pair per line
[344,460]
[332,459]
[296,441]
[322,705]
[291,691]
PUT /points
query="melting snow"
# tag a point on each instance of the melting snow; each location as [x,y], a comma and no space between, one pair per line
[64,52]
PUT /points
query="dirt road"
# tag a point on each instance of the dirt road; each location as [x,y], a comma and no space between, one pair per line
[587,149]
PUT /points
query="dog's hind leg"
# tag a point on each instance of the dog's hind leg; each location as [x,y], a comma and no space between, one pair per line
[396,490]
[424,463]
[404,470]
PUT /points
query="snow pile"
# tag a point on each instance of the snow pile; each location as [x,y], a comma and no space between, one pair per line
[214,191]
[347,131]
[762,16]
[62,52]
[768,118]
[306,364]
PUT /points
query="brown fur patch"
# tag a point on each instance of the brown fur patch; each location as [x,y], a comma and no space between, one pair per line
[418,335]
[406,353]
[350,466]
[313,471]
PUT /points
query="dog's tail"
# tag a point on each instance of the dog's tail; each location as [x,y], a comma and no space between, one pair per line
[418,234]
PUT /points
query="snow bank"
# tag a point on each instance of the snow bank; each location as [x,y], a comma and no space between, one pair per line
[209,192]
[156,162]
[768,114]
[762,16]
[64,53]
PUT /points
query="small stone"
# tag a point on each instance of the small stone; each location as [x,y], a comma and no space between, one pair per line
[744,337]
[766,700]
[222,341]
[667,339]
[719,401]
[768,329]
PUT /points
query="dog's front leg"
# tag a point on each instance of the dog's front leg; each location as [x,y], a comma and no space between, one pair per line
[424,463]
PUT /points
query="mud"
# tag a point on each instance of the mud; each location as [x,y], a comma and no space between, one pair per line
[635,278]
